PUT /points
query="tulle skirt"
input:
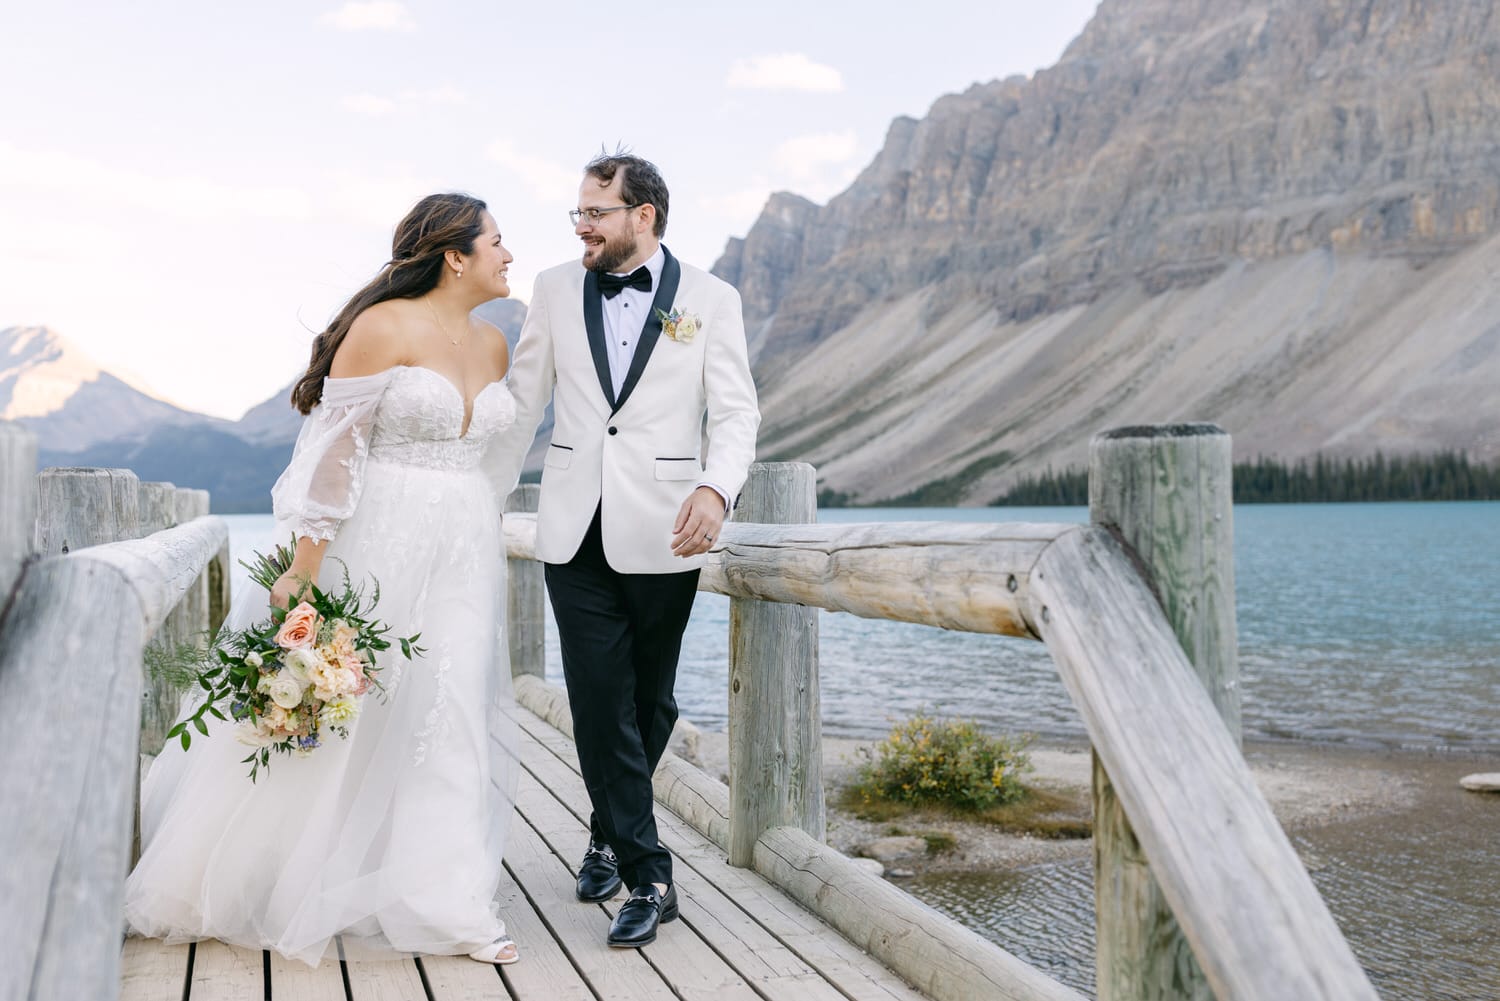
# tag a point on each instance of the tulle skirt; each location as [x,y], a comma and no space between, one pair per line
[386,843]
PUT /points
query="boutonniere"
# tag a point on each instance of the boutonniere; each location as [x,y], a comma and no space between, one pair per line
[678,325]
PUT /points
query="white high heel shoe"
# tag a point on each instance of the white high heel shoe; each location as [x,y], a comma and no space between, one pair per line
[501,952]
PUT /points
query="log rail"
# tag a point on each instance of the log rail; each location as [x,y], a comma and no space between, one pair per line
[1199,893]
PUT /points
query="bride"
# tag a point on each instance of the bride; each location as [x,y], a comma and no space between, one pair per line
[391,840]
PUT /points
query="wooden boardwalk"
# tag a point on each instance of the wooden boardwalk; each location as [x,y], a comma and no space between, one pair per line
[739,938]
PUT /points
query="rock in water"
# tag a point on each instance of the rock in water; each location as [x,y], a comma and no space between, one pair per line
[1481,782]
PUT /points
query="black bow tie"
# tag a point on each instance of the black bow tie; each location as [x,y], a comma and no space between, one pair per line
[611,285]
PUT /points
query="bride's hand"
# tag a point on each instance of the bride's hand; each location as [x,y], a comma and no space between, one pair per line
[290,586]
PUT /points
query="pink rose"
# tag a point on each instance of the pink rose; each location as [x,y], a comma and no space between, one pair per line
[299,629]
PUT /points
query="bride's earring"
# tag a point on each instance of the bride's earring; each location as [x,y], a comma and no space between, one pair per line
[459,272]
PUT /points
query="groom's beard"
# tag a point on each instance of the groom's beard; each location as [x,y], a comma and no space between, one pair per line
[612,255]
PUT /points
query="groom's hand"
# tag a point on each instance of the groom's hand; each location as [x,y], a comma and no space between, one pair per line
[698,522]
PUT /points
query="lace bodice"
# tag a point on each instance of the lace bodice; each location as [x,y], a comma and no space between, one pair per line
[421,414]
[408,416]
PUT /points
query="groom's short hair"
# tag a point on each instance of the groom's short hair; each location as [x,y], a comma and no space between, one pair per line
[641,185]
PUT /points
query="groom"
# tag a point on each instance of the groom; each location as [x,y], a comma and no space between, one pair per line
[633,348]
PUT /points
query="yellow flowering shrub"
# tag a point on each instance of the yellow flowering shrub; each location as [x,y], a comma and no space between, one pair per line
[941,762]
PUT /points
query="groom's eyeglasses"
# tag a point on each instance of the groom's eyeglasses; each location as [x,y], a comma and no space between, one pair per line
[594,215]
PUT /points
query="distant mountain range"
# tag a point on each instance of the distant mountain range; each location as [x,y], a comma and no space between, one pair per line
[84,416]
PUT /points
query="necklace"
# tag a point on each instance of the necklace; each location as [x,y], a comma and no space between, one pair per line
[441,327]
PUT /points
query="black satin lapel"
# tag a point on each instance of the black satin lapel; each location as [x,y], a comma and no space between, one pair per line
[593,321]
[671,275]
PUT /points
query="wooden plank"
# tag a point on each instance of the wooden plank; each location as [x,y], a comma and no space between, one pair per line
[545,970]
[775,716]
[151,970]
[803,937]
[459,978]
[681,957]
[223,972]
[969,577]
[296,981]
[1249,910]
[386,980]
[612,974]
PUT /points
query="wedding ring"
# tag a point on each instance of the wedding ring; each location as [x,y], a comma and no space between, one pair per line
[707,537]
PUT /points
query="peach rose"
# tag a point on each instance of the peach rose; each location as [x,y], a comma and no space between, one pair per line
[299,629]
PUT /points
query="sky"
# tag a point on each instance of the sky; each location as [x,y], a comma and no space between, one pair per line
[189,191]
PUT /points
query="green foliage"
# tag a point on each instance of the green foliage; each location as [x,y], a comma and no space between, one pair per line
[1445,476]
[944,763]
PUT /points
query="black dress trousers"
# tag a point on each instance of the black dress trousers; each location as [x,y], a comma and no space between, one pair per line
[620,635]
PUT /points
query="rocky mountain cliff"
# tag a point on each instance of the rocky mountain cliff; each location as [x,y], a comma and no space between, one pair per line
[1274,215]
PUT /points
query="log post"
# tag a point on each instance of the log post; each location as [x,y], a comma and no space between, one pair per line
[526,613]
[80,507]
[192,504]
[17,504]
[775,725]
[1167,492]
[218,574]
[160,699]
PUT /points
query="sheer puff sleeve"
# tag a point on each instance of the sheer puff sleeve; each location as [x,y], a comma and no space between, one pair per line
[321,485]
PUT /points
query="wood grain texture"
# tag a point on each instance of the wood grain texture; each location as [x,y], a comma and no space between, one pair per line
[152,970]
[972,578]
[73,639]
[223,972]
[78,508]
[1253,919]
[294,981]
[526,612]
[775,714]
[1166,493]
[386,980]
[17,502]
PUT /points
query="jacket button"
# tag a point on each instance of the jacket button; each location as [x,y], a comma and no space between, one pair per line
[614,430]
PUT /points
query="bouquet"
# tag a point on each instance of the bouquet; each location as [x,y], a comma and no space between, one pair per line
[298,676]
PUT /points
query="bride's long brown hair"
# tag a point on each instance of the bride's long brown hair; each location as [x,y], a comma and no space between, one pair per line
[434,226]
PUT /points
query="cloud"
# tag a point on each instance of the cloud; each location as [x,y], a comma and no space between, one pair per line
[544,177]
[375,15]
[375,105]
[368,104]
[785,71]
[804,156]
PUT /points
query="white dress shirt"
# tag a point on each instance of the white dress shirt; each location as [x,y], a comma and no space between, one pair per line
[625,317]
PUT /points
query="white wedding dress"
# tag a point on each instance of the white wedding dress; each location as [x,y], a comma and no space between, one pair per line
[389,841]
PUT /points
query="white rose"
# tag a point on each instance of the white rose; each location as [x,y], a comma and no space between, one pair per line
[285,691]
[300,663]
[250,735]
[686,328]
[254,659]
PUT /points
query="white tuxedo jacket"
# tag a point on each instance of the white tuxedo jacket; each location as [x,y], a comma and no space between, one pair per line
[636,458]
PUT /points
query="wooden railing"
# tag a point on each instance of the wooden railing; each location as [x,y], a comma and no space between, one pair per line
[1198,892]
[83,595]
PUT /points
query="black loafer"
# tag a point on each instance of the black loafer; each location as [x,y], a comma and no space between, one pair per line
[598,874]
[636,923]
